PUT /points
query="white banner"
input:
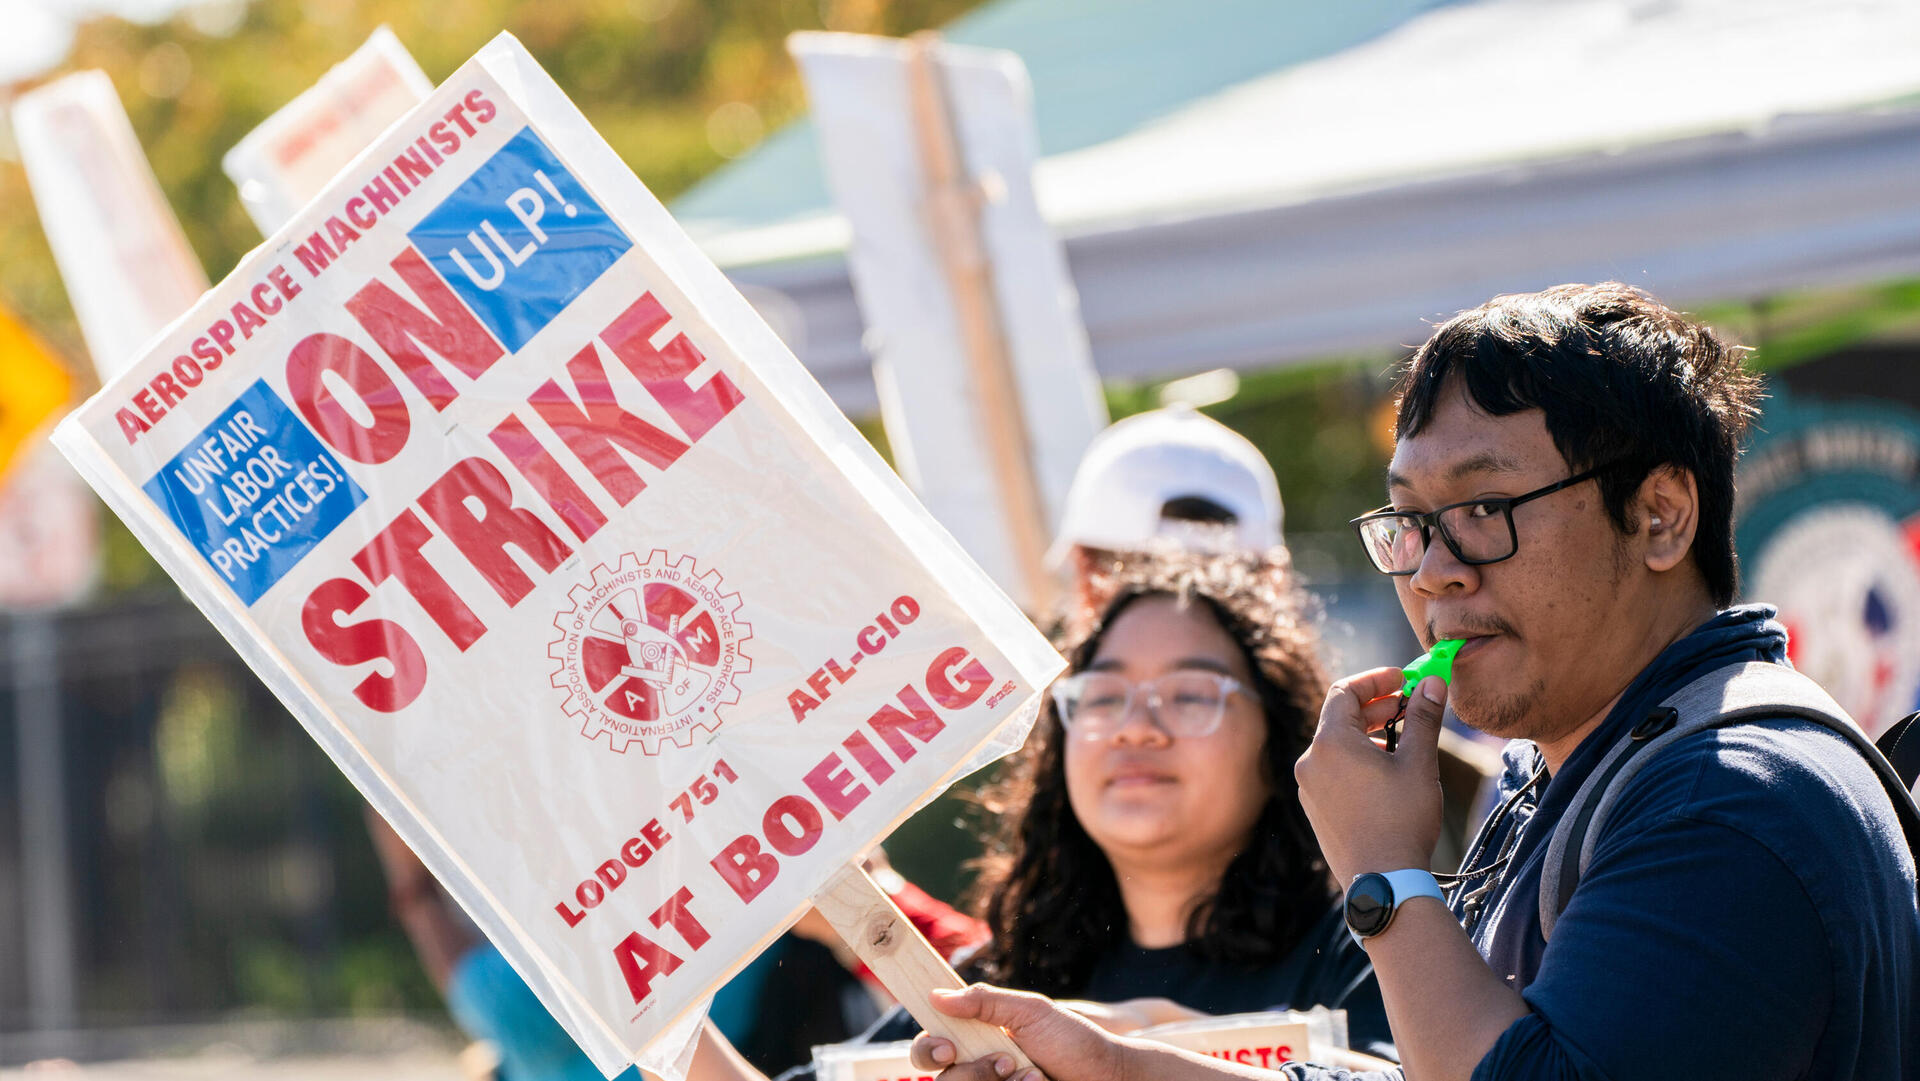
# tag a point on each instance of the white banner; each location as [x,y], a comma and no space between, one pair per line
[282,164]
[860,92]
[1261,1040]
[126,264]
[560,554]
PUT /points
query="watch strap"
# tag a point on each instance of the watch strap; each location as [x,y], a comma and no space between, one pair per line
[1404,885]
[1413,882]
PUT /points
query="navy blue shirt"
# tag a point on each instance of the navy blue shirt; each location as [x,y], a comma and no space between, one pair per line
[1749,913]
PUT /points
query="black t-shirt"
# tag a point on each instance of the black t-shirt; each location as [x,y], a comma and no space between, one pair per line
[1327,968]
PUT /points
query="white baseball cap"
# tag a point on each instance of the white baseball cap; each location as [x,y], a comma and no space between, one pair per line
[1134,469]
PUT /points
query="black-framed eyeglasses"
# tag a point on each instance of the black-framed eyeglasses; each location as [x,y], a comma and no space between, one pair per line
[1186,704]
[1477,532]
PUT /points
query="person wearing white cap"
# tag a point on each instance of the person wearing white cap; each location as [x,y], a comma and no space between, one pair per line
[1171,478]
[1172,475]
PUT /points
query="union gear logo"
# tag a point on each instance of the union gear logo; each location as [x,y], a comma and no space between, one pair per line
[649,652]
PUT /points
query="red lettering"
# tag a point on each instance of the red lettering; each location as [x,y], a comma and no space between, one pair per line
[359,214]
[572,917]
[635,852]
[613,873]
[800,702]
[368,640]
[592,429]
[130,424]
[222,333]
[395,553]
[835,786]
[802,835]
[210,357]
[447,140]
[340,233]
[482,108]
[973,679]
[148,407]
[456,116]
[380,195]
[589,893]
[655,833]
[745,867]
[245,318]
[263,298]
[675,911]
[187,371]
[169,391]
[551,480]
[283,281]
[641,961]
[317,354]
[445,326]
[922,723]
[412,168]
[664,371]
[869,756]
[483,533]
[314,255]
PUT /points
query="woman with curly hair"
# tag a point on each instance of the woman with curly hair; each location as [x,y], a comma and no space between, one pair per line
[1149,848]
[1151,842]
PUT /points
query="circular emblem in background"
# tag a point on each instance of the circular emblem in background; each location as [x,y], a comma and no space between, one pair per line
[649,651]
[1845,579]
[1827,520]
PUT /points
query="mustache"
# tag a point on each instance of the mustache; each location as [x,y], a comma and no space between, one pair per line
[1475,628]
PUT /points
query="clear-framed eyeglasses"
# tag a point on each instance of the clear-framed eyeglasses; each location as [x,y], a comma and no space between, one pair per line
[1477,532]
[1186,704]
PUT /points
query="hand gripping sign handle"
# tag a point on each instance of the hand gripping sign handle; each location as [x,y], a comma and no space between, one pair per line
[907,964]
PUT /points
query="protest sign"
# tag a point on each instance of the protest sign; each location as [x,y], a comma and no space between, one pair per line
[561,555]
[126,264]
[49,533]
[985,376]
[282,164]
[1262,1040]
[34,386]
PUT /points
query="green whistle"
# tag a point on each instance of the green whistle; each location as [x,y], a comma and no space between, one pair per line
[1437,661]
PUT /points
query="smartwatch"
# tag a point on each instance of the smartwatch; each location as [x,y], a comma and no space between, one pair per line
[1372,899]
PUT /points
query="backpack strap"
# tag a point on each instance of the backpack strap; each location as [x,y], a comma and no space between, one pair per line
[1901,744]
[1734,694]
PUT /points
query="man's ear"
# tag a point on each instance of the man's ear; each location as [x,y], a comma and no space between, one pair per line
[1669,508]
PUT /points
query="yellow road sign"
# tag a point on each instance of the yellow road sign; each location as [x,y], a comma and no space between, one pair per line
[34,386]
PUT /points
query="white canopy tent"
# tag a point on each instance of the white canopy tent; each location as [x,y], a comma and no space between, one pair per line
[1246,184]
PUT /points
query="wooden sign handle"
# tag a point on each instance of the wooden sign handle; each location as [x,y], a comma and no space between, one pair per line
[907,964]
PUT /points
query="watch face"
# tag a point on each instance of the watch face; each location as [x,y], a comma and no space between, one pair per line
[1369,905]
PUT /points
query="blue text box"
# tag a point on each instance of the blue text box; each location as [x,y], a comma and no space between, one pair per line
[254,492]
[519,240]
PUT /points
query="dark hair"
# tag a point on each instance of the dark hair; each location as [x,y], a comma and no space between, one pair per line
[1050,896]
[1621,378]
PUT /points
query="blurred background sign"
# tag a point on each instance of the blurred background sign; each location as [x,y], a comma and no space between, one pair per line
[283,163]
[127,267]
[985,381]
[33,388]
[1829,530]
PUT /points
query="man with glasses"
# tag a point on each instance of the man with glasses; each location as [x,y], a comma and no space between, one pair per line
[1562,502]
